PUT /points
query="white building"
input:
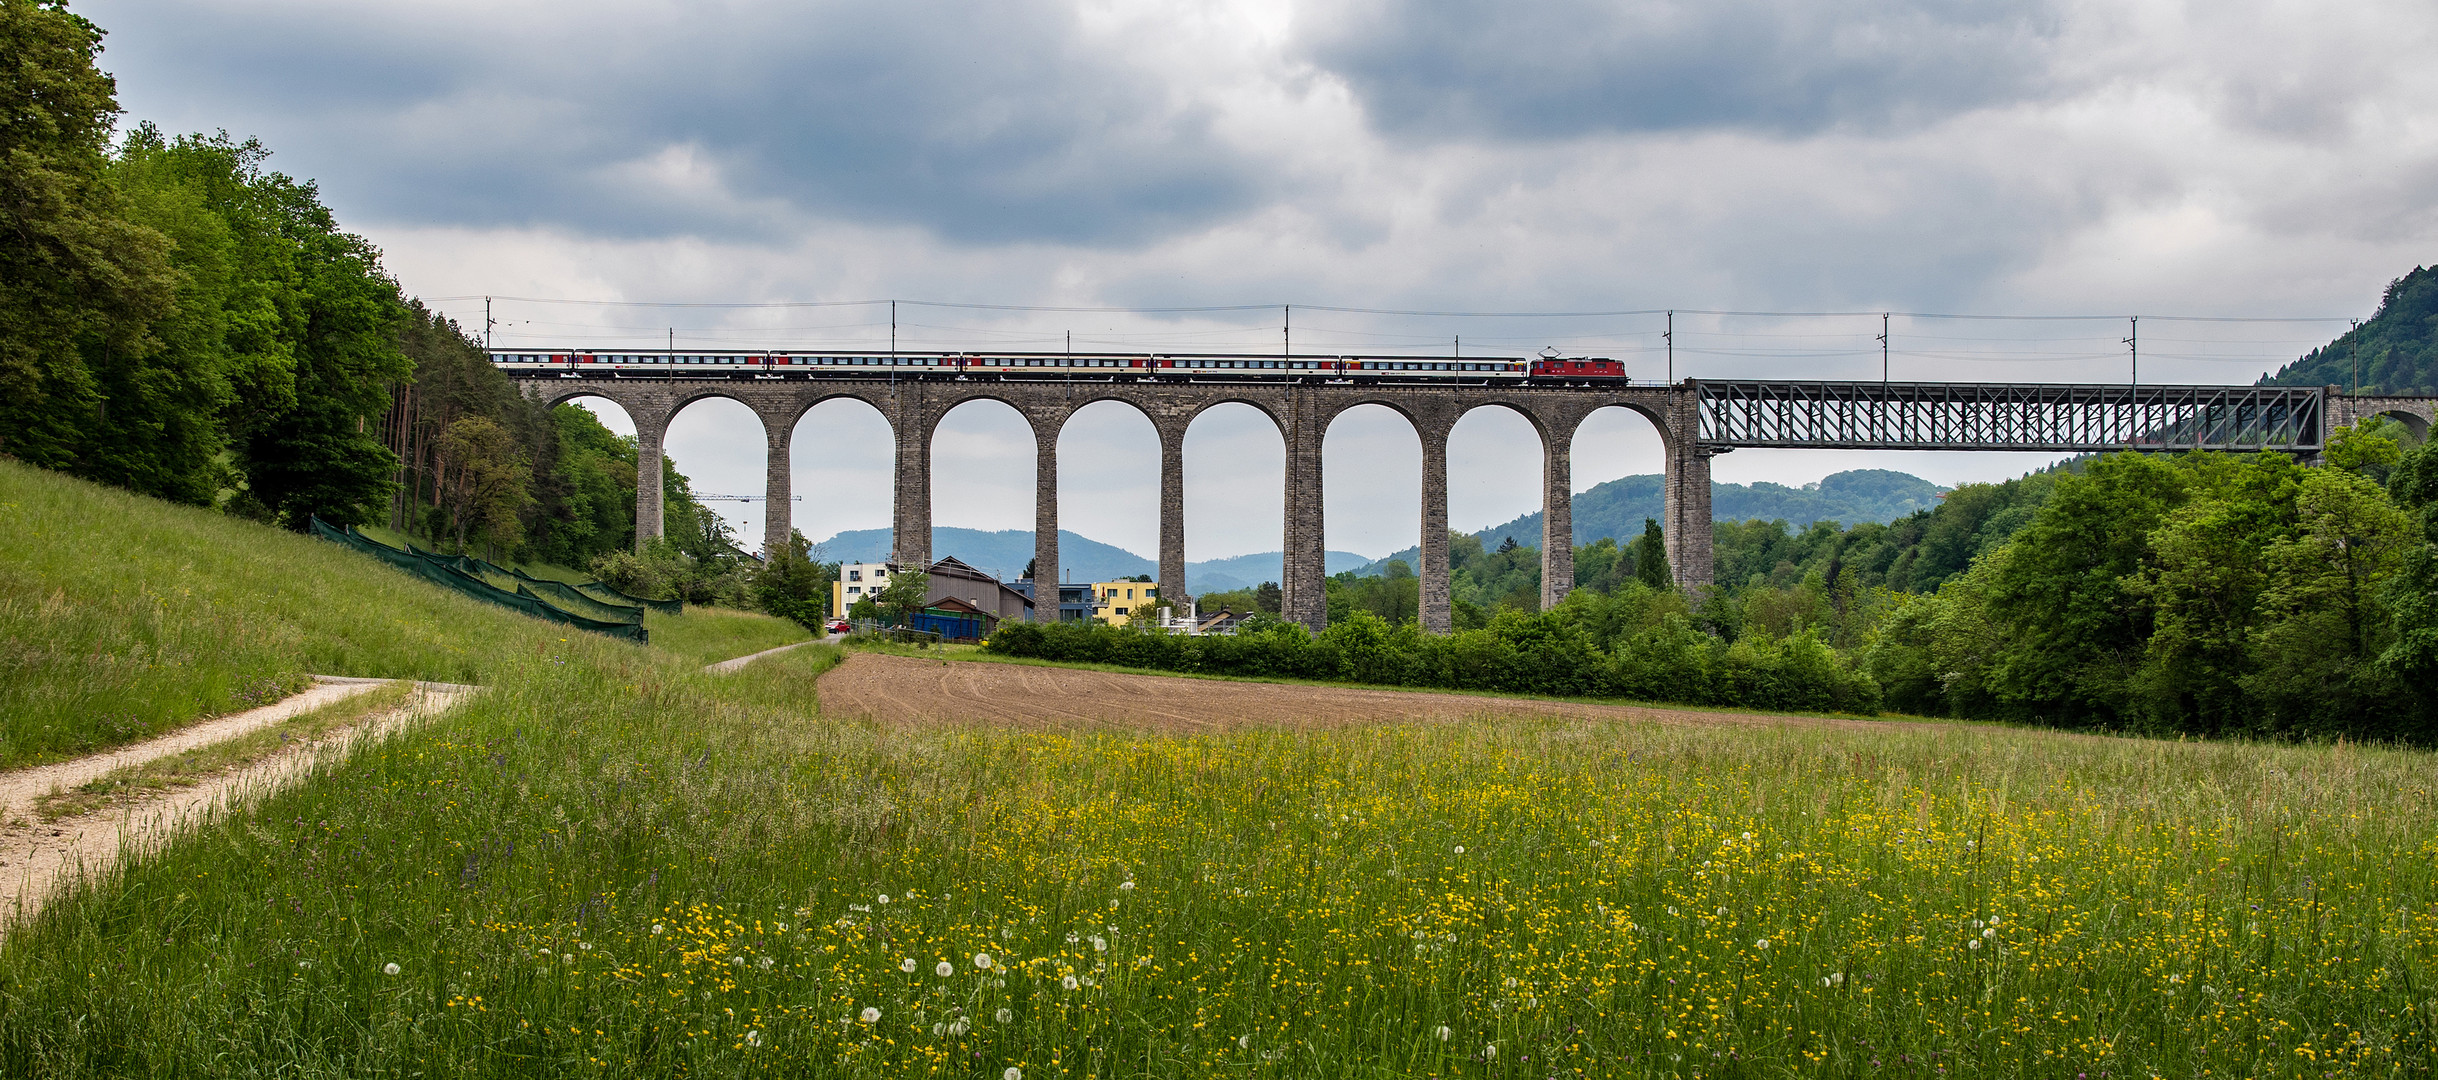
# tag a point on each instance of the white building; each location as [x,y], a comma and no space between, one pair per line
[857,581]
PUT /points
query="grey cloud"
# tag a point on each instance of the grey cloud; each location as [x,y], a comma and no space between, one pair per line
[1576,67]
[985,124]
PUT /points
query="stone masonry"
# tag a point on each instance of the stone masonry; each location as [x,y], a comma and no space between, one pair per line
[2417,414]
[1303,413]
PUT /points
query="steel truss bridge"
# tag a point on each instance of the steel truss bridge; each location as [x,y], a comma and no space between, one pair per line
[2007,416]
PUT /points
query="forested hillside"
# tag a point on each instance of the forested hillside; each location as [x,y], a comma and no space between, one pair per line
[2396,352]
[180,320]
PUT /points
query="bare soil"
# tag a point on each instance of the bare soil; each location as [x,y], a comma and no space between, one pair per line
[907,690]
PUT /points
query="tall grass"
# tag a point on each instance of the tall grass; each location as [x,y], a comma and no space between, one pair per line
[710,634]
[609,867]
[122,617]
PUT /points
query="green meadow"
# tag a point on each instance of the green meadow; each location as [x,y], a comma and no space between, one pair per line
[613,864]
[123,617]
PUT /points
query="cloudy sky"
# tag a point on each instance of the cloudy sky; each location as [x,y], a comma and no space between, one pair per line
[2015,157]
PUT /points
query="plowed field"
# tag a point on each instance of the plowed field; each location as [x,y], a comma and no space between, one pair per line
[898,689]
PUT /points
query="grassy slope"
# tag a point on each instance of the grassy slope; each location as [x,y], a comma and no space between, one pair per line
[545,571]
[708,634]
[614,865]
[122,617]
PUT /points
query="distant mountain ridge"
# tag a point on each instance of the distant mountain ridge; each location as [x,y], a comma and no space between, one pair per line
[1617,508]
[1004,553]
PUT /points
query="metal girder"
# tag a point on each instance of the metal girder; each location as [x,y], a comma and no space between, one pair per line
[2001,416]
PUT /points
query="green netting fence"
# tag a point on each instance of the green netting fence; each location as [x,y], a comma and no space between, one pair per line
[609,594]
[474,578]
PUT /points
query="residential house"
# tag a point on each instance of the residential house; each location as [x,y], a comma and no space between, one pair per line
[1112,601]
[857,581]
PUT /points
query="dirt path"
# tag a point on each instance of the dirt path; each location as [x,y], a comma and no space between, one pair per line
[19,789]
[726,666]
[900,689]
[39,860]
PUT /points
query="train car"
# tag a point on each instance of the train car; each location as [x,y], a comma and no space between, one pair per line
[810,365]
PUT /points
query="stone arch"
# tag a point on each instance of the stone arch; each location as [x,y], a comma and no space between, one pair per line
[971,475]
[1327,415]
[625,410]
[816,394]
[724,456]
[1532,419]
[1380,486]
[1112,475]
[1086,401]
[1224,478]
[1657,419]
[1273,409]
[937,410]
[837,474]
[1618,432]
[2414,423]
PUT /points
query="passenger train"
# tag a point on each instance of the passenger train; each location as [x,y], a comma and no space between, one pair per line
[1232,366]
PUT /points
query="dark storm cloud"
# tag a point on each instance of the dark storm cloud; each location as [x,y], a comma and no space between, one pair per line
[1577,67]
[983,124]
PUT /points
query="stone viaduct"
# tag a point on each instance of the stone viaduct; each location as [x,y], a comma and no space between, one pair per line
[1696,421]
[915,406]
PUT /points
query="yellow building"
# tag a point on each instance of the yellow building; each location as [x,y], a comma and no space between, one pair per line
[1113,600]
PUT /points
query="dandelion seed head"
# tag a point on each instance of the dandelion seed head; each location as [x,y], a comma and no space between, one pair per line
[1012,1073]
[1460,849]
[870,1015]
[983,961]
[1244,1042]
[389,969]
[907,965]
[1973,944]
[944,969]
[1443,1033]
[1069,982]
[1004,1016]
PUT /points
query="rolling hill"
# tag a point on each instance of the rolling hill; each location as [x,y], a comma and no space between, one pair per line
[1617,508]
[1005,552]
